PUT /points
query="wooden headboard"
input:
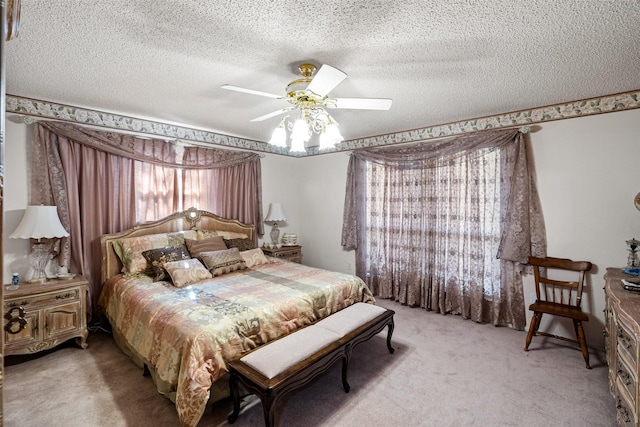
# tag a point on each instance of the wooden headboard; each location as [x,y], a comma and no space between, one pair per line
[181,221]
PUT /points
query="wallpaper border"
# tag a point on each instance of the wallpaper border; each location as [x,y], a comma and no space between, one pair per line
[54,111]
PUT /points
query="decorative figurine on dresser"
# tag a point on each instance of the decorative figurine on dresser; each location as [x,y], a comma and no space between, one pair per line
[41,315]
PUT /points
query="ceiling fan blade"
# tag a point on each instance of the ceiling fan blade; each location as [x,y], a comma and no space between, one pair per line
[361,103]
[325,80]
[251,91]
[272,114]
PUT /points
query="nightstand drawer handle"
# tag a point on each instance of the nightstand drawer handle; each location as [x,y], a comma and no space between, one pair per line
[15,304]
[17,323]
[65,296]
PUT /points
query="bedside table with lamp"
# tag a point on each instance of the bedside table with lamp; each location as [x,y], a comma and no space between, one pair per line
[43,312]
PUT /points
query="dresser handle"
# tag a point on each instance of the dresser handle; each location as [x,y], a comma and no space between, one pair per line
[626,341]
[624,413]
[15,304]
[15,321]
[624,376]
[64,296]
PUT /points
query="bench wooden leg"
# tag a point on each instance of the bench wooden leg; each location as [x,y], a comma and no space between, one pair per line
[345,368]
[389,333]
[235,397]
[269,409]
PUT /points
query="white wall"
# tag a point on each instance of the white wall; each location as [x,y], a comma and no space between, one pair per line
[586,173]
[17,157]
[279,179]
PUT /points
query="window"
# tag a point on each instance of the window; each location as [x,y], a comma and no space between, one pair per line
[435,225]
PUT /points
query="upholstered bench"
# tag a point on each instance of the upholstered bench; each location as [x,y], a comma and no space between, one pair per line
[289,363]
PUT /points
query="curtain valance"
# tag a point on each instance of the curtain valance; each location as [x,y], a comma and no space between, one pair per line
[426,155]
[155,151]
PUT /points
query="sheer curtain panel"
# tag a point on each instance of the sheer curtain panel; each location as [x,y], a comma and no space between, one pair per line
[446,225]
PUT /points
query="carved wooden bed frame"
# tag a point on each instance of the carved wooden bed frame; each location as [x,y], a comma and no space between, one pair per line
[189,219]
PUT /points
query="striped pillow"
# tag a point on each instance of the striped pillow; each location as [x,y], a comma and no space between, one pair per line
[223,262]
[196,247]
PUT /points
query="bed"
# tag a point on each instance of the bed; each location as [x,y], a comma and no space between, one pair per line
[184,331]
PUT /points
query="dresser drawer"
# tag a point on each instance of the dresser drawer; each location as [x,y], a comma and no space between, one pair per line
[44,299]
[626,379]
[624,415]
[22,328]
[62,319]
[291,253]
[626,343]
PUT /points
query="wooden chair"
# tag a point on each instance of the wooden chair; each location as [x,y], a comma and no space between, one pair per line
[559,298]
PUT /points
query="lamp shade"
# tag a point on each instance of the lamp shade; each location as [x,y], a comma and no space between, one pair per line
[276,213]
[40,222]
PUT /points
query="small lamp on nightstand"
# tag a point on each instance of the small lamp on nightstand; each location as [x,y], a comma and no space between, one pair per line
[275,215]
[39,222]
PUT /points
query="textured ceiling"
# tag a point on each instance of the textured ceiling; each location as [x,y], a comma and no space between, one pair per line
[440,61]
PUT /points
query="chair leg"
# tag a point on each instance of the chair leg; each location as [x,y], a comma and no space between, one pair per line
[533,328]
[582,341]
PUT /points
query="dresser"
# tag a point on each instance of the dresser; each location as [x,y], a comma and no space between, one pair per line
[292,253]
[39,316]
[622,335]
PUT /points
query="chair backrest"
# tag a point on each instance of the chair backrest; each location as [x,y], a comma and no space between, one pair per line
[561,290]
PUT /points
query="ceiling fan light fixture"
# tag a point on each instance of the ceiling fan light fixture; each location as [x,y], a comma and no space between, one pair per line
[279,136]
[297,146]
[300,130]
[330,136]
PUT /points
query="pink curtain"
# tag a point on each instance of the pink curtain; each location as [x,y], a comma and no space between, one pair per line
[236,180]
[104,182]
[447,225]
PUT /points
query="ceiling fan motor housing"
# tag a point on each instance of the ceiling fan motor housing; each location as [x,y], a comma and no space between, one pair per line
[297,92]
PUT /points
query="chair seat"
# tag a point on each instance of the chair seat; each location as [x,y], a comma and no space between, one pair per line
[557,309]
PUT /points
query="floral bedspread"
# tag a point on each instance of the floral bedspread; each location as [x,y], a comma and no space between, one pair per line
[187,334]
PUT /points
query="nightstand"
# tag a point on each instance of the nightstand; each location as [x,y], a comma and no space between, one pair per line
[291,253]
[39,316]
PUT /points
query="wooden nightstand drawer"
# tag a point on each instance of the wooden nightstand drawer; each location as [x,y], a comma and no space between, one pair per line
[291,253]
[39,316]
[44,299]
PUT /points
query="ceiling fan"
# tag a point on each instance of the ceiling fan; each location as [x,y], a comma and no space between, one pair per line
[309,93]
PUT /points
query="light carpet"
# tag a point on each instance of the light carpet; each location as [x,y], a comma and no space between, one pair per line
[445,371]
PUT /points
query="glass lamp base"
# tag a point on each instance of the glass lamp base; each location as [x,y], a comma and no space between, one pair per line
[39,258]
[275,234]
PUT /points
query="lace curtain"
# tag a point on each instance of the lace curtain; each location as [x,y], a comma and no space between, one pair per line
[447,225]
[104,182]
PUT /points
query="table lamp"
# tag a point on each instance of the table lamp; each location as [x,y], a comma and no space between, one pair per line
[39,222]
[275,215]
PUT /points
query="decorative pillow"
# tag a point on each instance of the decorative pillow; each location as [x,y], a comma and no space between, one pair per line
[254,257]
[231,235]
[241,244]
[223,262]
[186,272]
[130,249]
[157,258]
[196,247]
[205,234]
